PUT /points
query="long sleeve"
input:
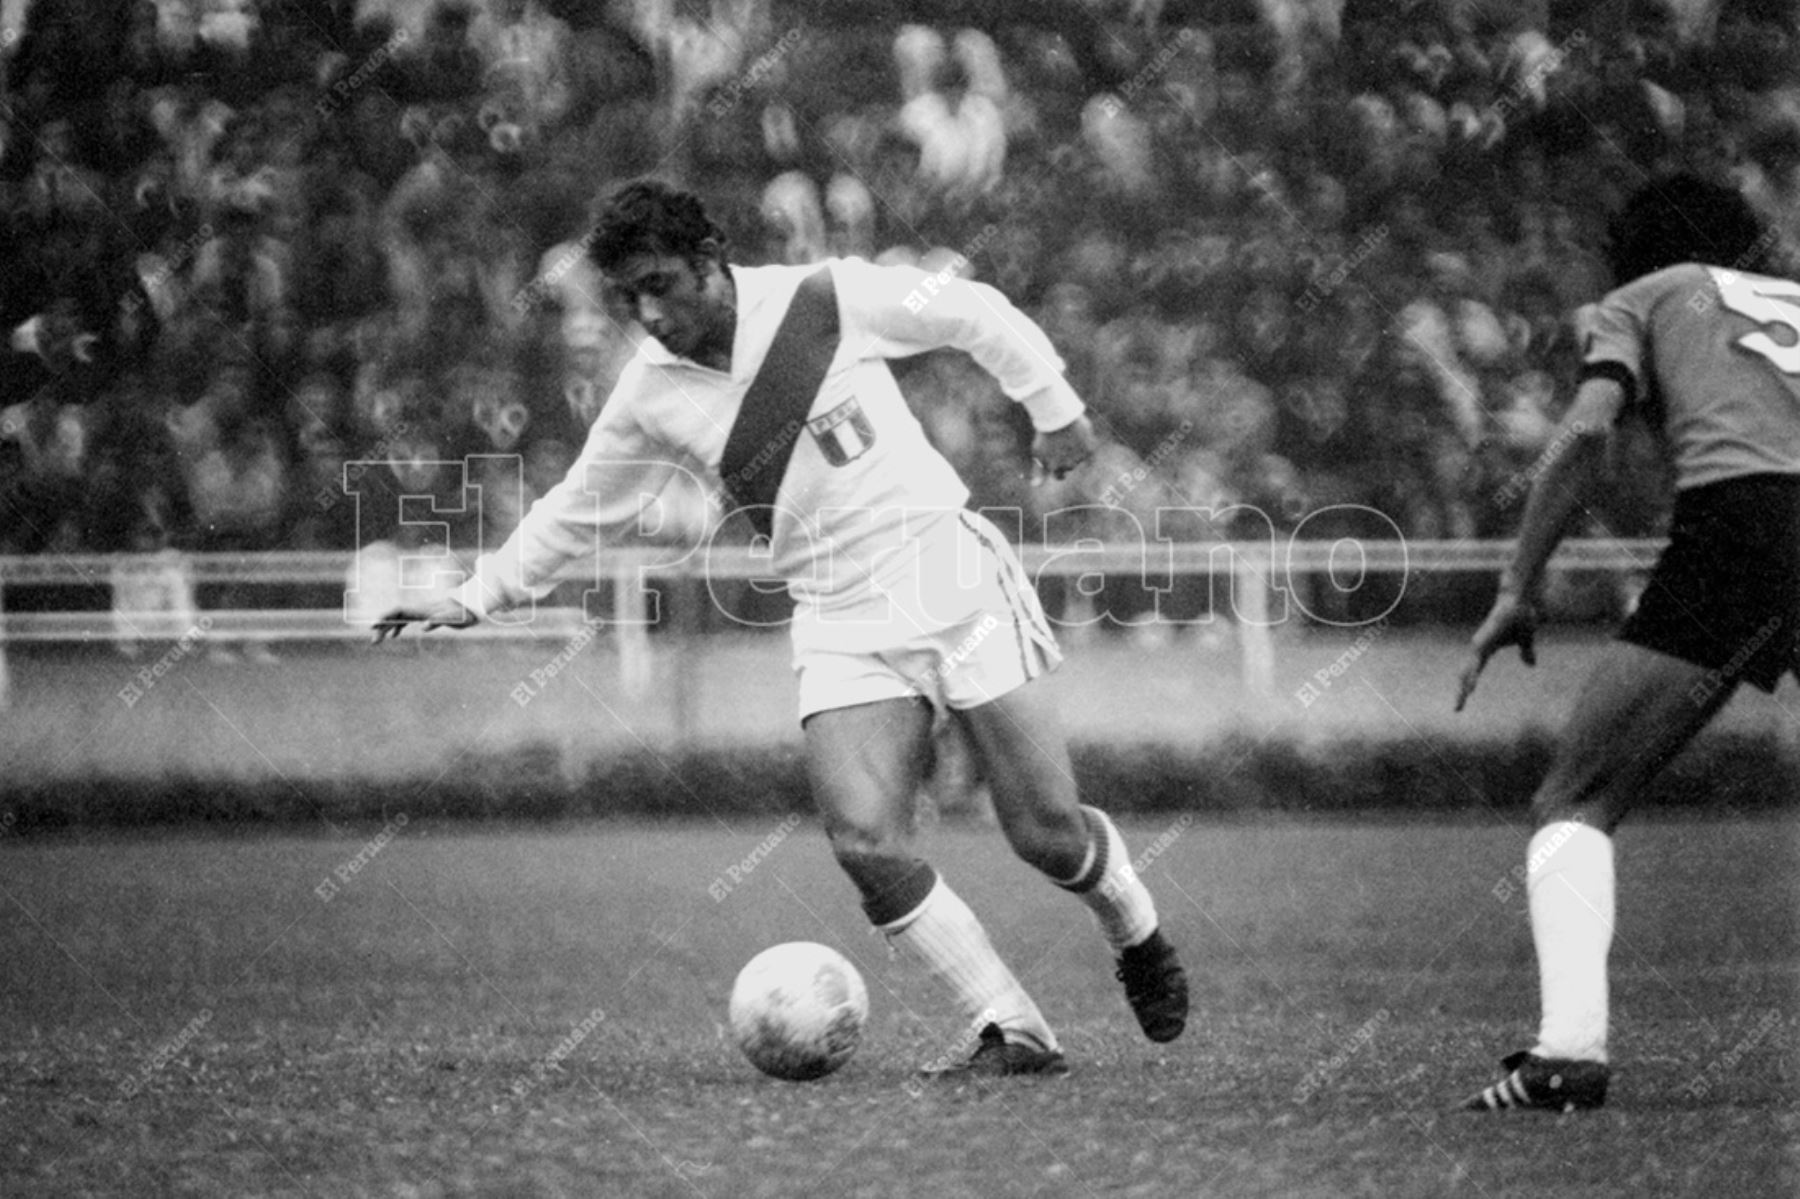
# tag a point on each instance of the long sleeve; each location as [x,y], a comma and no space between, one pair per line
[897,311]
[620,474]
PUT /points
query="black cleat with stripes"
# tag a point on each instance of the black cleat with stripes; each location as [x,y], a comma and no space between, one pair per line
[1555,1084]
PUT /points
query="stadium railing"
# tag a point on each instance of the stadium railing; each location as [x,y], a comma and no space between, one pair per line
[1257,569]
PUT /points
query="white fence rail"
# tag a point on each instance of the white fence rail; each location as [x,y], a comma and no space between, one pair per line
[1257,570]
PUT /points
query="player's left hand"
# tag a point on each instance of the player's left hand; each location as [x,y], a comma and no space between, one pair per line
[1512,621]
[1062,450]
[447,613]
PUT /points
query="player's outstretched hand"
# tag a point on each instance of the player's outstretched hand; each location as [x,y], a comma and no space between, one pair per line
[446,613]
[1062,450]
[1511,621]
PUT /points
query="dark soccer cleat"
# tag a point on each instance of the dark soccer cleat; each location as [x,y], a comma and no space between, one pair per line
[997,1057]
[1156,987]
[1555,1084]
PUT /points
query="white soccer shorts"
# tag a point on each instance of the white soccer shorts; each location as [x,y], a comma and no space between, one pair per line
[1004,643]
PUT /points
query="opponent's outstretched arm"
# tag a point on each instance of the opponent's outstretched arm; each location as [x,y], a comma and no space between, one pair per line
[1576,462]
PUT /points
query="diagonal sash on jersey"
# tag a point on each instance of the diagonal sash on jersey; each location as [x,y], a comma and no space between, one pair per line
[773,413]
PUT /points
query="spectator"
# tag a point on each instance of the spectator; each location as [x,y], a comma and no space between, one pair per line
[794,218]
[961,142]
[852,212]
[238,487]
[1451,336]
[153,592]
[322,520]
[43,451]
[344,191]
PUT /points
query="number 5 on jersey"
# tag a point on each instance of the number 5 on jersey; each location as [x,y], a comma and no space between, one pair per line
[1767,302]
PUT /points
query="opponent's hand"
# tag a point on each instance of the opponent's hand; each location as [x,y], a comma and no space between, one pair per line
[447,613]
[1511,621]
[1062,450]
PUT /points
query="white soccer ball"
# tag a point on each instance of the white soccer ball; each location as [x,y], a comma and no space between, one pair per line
[798,1010]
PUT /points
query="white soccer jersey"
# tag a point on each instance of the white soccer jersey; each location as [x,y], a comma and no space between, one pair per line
[864,525]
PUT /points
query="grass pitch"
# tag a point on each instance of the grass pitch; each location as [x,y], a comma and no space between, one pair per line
[430,1010]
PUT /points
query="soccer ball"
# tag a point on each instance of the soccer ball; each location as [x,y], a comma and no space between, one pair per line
[797,1010]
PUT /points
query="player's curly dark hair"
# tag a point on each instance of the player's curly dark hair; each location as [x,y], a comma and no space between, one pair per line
[649,216]
[1684,218]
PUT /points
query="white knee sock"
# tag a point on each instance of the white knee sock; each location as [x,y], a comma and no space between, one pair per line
[945,933]
[1569,878]
[1110,887]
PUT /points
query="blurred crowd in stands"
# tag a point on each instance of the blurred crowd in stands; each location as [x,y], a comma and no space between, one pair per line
[270,264]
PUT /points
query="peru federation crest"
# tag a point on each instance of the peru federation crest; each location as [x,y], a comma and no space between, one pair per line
[844,434]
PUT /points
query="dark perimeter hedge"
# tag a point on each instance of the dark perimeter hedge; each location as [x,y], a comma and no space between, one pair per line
[1722,773]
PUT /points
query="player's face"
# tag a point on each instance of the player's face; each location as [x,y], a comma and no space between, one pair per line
[684,303]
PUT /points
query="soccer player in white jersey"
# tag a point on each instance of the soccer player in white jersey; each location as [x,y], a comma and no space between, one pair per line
[1703,344]
[773,382]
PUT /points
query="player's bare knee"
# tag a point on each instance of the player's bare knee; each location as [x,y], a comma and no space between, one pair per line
[892,884]
[867,853]
[1047,839]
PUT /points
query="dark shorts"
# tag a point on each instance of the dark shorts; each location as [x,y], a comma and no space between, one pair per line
[1726,593]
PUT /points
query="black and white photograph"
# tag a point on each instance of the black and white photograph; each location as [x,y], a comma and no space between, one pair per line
[899,598]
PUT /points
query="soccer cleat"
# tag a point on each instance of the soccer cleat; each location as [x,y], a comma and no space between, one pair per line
[1555,1084]
[1155,986]
[997,1057]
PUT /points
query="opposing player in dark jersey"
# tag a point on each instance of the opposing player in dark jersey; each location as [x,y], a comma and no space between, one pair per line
[1704,344]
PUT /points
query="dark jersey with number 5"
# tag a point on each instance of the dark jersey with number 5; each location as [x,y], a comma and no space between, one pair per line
[1712,358]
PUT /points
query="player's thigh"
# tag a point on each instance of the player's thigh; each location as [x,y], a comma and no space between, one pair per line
[1635,712]
[864,763]
[1024,752]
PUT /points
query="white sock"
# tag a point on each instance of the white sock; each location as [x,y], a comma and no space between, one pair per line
[1569,878]
[945,933]
[1110,887]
